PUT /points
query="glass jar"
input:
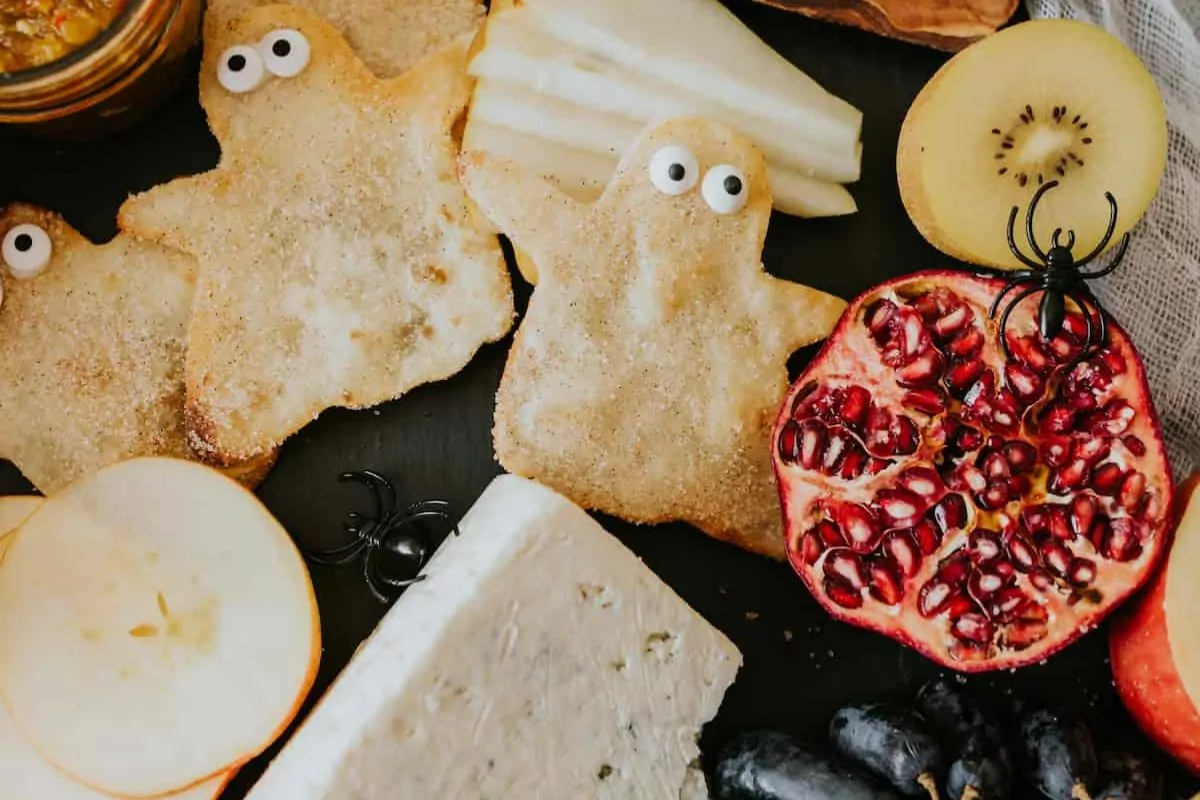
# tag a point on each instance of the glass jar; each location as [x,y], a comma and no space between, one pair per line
[109,83]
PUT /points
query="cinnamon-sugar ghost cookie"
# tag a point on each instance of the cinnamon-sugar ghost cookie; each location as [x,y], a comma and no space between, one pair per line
[646,374]
[390,36]
[91,350]
[339,263]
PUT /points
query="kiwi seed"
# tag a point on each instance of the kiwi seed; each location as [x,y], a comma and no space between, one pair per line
[1057,160]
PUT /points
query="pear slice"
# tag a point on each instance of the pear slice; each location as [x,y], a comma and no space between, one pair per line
[13,511]
[1048,100]
[160,628]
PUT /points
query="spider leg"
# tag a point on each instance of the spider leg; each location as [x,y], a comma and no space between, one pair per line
[1102,316]
[1003,327]
[1113,264]
[338,555]
[1012,242]
[1086,309]
[1020,277]
[1112,226]
[1033,204]
[371,575]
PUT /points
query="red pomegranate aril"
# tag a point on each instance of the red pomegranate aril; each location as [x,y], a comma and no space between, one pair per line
[1113,362]
[1057,558]
[934,598]
[877,465]
[1122,542]
[1008,603]
[1021,554]
[855,404]
[996,496]
[1113,420]
[950,513]
[967,345]
[1151,509]
[1063,348]
[847,566]
[984,584]
[973,627]
[914,338]
[879,316]
[1134,445]
[962,375]
[1024,633]
[811,548]
[1082,572]
[1099,532]
[807,445]
[954,569]
[1029,352]
[960,604]
[860,527]
[994,465]
[1025,383]
[1083,512]
[921,481]
[1041,580]
[885,584]
[899,508]
[952,323]
[842,593]
[1006,410]
[968,478]
[853,464]
[903,552]
[789,442]
[1056,419]
[1133,487]
[1021,456]
[1106,480]
[985,546]
[829,534]
[1091,449]
[923,370]
[1036,519]
[907,437]
[835,449]
[927,537]
[1055,450]
[967,439]
[1058,523]
[1087,377]
[929,401]
[1069,478]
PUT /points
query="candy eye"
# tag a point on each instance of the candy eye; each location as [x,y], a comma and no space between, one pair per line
[674,170]
[241,69]
[26,251]
[285,52]
[725,189]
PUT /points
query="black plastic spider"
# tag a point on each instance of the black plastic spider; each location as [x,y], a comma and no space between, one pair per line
[1058,276]
[402,533]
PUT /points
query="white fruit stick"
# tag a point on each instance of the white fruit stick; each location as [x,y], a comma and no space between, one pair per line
[581,175]
[699,45]
[608,136]
[616,94]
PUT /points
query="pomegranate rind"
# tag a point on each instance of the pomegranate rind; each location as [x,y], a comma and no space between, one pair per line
[1145,663]
[905,624]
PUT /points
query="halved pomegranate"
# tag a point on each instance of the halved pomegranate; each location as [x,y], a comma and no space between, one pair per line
[984,512]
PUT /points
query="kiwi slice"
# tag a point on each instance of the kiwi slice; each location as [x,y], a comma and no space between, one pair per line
[1047,100]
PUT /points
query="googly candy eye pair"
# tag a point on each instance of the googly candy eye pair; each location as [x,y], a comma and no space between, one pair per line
[283,53]
[674,170]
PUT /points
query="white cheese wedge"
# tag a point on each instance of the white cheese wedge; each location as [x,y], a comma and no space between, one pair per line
[539,660]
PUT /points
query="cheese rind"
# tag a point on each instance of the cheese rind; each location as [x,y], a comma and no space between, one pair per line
[538,659]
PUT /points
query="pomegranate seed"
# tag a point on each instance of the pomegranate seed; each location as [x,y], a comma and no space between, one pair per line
[1099,532]
[973,627]
[879,433]
[1135,445]
[1056,419]
[977,398]
[1007,410]
[967,345]
[1036,519]
[1083,401]
[950,513]
[962,375]
[1113,362]
[1069,478]
[1063,348]
[967,440]
[1152,507]
[953,569]
[1041,580]
[1020,552]
[927,536]
[985,546]
[829,534]
[789,442]
[879,315]
[1132,490]
[1007,603]
[1075,327]
[1091,449]
[1057,558]
[907,437]
[1026,383]
[842,593]
[914,339]
[1028,351]
[847,566]
[1004,569]
[886,586]
[985,584]
[811,547]
[997,495]
[835,449]
[899,508]
[1058,523]
[1107,479]
[1083,511]
[808,442]
[951,324]
[934,597]
[1114,420]
[877,465]
[970,478]
[853,463]
[1023,634]
[1019,485]
[1055,450]
[855,404]
[1021,456]
[928,401]
[1122,542]
[1087,378]
[935,303]
[923,370]
[904,555]
[995,465]
[1082,572]
[921,481]
[960,604]
[860,527]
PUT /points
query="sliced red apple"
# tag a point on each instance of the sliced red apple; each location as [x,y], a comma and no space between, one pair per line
[160,628]
[13,511]
[1155,644]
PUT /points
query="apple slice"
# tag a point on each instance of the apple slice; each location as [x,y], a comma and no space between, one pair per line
[581,175]
[26,776]
[159,628]
[1155,644]
[13,511]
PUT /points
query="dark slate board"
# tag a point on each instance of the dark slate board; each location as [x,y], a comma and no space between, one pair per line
[435,442]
